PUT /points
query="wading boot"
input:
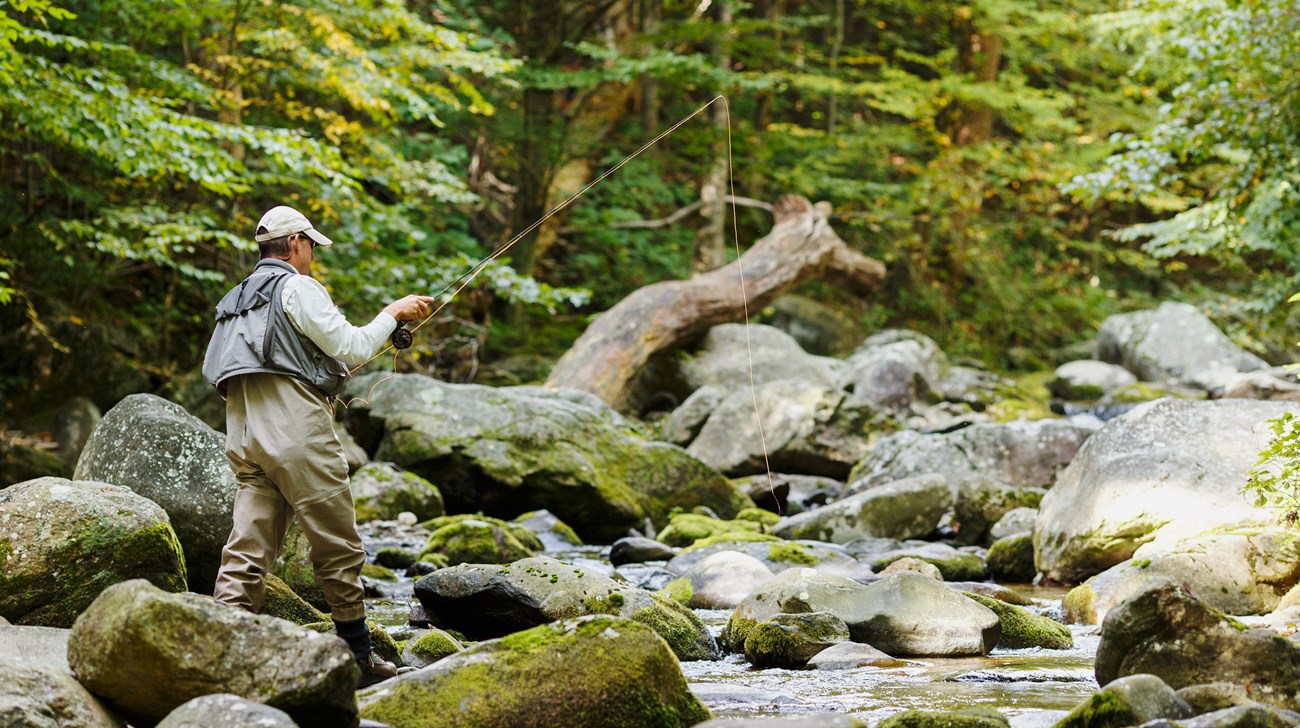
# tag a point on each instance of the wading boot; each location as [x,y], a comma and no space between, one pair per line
[373,668]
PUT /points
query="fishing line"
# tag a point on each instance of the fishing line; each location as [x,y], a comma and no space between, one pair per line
[404,337]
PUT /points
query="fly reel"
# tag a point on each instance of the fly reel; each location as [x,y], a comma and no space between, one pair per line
[401,337]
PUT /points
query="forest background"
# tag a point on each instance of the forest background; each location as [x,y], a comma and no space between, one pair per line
[1023,167]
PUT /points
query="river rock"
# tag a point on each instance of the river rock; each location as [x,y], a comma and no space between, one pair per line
[910,614]
[1173,341]
[1166,470]
[790,640]
[430,647]
[724,579]
[638,550]
[1016,520]
[62,542]
[163,453]
[953,564]
[980,716]
[896,372]
[554,534]
[907,508]
[686,528]
[1132,700]
[471,540]
[787,493]
[1237,573]
[1020,454]
[914,565]
[818,328]
[807,427]
[482,601]
[1088,380]
[982,501]
[1022,629]
[510,449]
[779,556]
[38,690]
[294,567]
[684,423]
[148,652]
[723,360]
[798,591]
[1244,716]
[1012,559]
[1165,631]
[589,671]
[226,711]
[851,655]
[383,490]
[816,720]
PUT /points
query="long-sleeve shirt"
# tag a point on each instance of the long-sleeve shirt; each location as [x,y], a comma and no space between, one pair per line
[313,313]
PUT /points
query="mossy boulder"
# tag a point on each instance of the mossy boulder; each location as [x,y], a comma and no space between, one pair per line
[395,557]
[475,541]
[430,647]
[678,590]
[511,449]
[977,717]
[1173,341]
[791,640]
[638,550]
[1012,559]
[527,537]
[767,519]
[589,671]
[1245,571]
[160,451]
[294,567]
[281,601]
[1022,628]
[380,491]
[484,601]
[732,537]
[1165,631]
[910,614]
[1128,701]
[982,501]
[724,579]
[685,529]
[1086,380]
[65,541]
[1167,470]
[383,643]
[797,591]
[377,572]
[908,508]
[779,556]
[147,652]
[959,566]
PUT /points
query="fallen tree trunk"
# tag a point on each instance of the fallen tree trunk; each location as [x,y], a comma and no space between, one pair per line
[611,353]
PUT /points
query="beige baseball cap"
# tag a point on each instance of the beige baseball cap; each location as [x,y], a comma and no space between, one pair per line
[281,221]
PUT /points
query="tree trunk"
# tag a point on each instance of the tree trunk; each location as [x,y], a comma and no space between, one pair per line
[650,11]
[611,353]
[979,54]
[837,42]
[710,250]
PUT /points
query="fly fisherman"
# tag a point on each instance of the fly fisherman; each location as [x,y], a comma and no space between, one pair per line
[279,355]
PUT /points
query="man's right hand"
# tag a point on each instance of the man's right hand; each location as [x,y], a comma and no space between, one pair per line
[410,308]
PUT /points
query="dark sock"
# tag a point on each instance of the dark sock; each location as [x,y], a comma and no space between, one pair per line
[357,635]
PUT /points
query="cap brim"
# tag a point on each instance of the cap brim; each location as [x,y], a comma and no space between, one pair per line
[316,236]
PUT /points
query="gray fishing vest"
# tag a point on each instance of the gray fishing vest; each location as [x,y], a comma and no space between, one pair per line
[253,335]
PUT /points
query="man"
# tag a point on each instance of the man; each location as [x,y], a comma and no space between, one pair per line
[279,355]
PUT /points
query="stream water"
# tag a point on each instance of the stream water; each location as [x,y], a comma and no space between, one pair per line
[1034,688]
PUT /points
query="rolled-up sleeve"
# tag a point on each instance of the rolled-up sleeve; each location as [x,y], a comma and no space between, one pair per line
[311,310]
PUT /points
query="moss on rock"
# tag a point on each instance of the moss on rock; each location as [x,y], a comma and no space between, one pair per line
[679,590]
[377,572]
[792,553]
[475,541]
[978,717]
[1012,558]
[790,640]
[1022,628]
[281,601]
[765,518]
[591,671]
[430,647]
[394,557]
[686,529]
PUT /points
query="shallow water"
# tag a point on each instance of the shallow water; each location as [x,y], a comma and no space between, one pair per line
[1033,687]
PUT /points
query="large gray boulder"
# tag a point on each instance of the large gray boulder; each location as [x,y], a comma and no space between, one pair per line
[896,370]
[1088,379]
[584,672]
[791,640]
[1165,631]
[38,690]
[1237,573]
[147,652]
[724,579]
[908,508]
[1133,700]
[797,591]
[226,711]
[382,490]
[1165,470]
[982,501]
[62,542]
[160,451]
[1020,454]
[911,614]
[807,427]
[1173,341]
[484,601]
[723,359]
[505,450]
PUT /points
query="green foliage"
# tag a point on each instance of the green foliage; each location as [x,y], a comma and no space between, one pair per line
[1275,480]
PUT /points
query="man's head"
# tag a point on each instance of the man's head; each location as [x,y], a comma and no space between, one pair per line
[286,234]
